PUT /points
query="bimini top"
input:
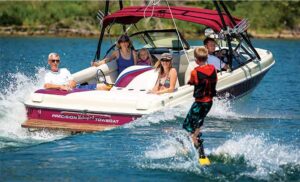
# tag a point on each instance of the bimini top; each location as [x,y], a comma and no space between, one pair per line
[205,17]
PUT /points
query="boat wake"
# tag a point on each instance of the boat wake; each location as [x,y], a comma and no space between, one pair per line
[266,158]
[225,109]
[245,156]
[222,110]
[13,113]
[164,116]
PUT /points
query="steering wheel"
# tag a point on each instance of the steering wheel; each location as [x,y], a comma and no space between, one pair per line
[102,80]
[101,77]
[222,54]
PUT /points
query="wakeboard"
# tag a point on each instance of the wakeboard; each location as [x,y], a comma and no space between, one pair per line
[203,159]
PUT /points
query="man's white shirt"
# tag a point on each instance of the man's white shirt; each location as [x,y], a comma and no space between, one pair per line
[61,77]
[215,61]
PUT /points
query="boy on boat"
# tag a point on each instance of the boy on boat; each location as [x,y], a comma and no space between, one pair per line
[204,79]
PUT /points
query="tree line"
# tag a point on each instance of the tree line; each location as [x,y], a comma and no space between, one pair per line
[264,16]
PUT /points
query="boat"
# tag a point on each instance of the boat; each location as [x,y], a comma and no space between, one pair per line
[83,110]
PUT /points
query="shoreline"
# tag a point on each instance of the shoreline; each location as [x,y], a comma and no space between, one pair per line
[285,34]
[70,32]
[43,31]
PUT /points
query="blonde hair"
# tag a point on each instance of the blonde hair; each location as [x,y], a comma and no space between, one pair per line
[201,53]
[148,53]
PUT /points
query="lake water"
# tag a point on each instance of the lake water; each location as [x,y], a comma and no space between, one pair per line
[253,139]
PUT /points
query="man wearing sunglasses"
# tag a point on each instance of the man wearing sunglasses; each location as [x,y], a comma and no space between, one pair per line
[58,78]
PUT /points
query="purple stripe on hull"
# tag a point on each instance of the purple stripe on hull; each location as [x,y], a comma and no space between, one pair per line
[77,117]
[241,89]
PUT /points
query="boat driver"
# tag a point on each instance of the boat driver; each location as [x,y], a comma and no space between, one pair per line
[210,45]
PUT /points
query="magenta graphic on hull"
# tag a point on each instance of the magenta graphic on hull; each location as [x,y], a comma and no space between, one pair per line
[79,117]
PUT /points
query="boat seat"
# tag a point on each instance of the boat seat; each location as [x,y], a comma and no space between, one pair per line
[131,76]
[138,78]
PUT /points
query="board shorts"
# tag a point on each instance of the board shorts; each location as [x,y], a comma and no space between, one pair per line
[196,115]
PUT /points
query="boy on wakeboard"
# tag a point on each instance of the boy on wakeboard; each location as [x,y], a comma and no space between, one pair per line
[204,79]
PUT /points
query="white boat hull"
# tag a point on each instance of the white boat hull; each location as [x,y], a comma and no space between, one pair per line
[93,110]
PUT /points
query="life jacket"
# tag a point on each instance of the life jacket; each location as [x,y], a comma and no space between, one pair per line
[207,81]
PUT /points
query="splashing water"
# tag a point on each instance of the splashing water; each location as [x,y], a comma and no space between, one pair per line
[222,108]
[261,157]
[166,115]
[13,112]
[266,157]
[174,151]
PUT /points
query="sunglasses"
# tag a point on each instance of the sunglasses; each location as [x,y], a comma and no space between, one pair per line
[55,60]
[165,60]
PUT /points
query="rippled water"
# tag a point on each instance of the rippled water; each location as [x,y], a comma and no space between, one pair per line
[253,139]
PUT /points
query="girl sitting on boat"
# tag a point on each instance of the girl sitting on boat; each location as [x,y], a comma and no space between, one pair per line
[124,56]
[167,75]
[144,57]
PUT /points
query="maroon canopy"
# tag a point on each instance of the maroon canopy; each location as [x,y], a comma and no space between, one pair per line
[205,17]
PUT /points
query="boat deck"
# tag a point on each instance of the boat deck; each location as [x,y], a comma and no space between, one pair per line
[73,127]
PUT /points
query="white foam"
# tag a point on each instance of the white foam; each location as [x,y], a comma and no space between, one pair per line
[172,152]
[167,114]
[265,156]
[222,108]
[13,112]
[170,147]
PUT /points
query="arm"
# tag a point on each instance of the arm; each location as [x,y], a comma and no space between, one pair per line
[173,79]
[193,78]
[52,86]
[72,83]
[155,88]
[59,87]
[226,67]
[113,56]
[64,81]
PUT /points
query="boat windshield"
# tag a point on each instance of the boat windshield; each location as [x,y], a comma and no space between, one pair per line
[156,41]
[160,39]
[242,53]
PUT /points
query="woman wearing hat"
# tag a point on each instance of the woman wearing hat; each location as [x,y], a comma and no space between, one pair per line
[124,56]
[167,75]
